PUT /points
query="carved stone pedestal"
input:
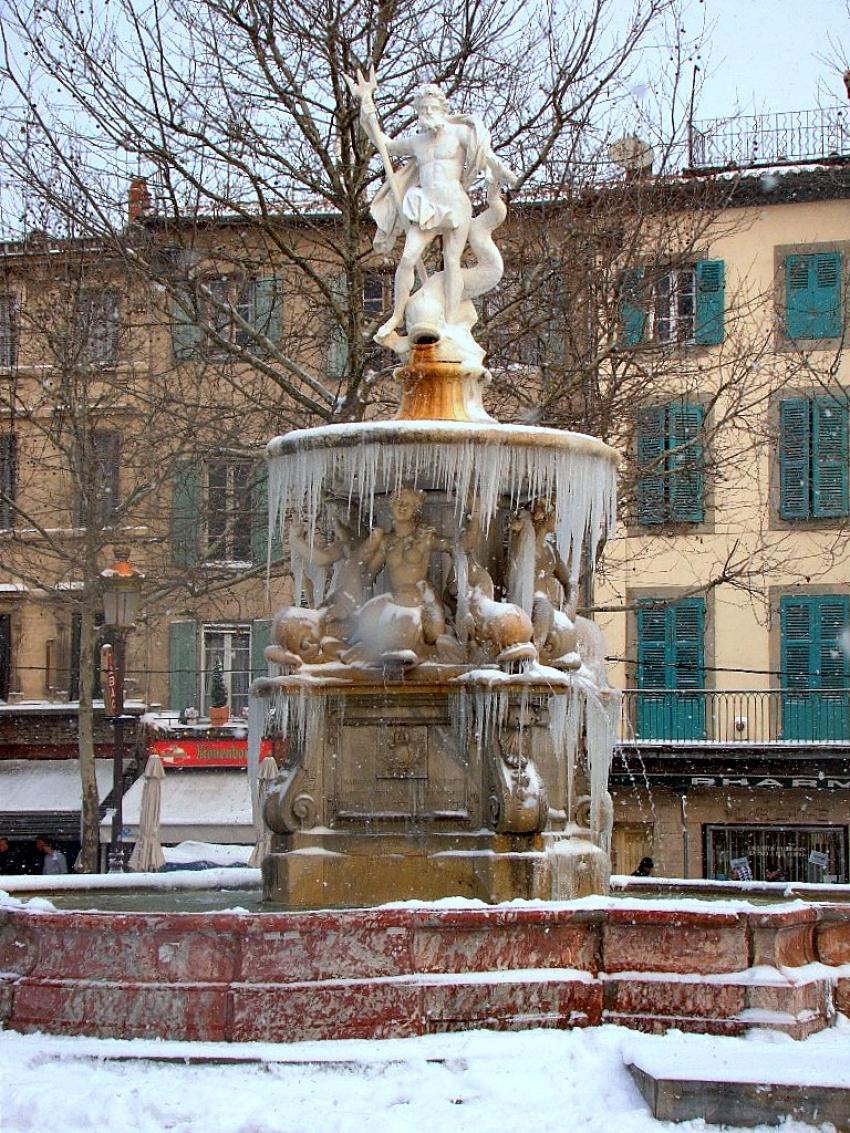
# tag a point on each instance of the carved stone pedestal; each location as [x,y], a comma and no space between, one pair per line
[395,792]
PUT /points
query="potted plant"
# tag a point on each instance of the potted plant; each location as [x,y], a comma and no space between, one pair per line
[218,708]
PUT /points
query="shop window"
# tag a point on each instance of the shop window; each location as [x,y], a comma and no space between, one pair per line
[813,458]
[816,854]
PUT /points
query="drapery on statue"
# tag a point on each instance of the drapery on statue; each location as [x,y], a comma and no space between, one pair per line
[428,198]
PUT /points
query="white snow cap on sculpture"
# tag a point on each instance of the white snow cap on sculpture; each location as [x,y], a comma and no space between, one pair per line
[480,464]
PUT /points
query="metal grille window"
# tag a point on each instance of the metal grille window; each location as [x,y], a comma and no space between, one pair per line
[229,647]
[97,324]
[9,329]
[777,853]
[229,511]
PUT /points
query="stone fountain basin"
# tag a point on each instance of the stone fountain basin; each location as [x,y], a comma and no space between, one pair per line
[418,968]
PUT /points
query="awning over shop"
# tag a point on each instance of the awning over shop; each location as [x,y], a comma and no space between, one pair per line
[42,796]
[201,806]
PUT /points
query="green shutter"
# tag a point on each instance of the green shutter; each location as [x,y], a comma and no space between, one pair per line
[183,665]
[686,479]
[833,665]
[710,302]
[260,520]
[268,308]
[687,635]
[798,634]
[186,333]
[829,458]
[185,512]
[632,308]
[813,295]
[652,647]
[261,636]
[794,458]
[338,339]
[651,444]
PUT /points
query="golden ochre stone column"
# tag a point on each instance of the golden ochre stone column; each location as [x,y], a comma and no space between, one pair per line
[434,390]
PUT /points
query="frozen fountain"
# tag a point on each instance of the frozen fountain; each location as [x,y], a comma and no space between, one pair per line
[447,718]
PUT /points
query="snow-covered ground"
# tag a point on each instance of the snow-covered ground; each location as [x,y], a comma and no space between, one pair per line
[480,1082]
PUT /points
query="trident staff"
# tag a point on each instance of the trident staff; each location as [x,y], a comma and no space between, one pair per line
[363,90]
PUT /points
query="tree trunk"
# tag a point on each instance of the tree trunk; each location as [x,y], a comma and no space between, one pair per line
[90,805]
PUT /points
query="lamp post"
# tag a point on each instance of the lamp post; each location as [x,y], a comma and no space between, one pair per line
[121,586]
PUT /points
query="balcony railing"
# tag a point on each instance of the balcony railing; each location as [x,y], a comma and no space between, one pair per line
[795,137]
[736,716]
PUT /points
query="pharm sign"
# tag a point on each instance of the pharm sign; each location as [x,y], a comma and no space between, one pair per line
[205,753]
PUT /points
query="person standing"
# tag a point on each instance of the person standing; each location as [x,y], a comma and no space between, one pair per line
[55,861]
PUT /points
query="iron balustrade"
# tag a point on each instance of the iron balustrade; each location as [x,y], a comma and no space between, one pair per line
[796,136]
[736,716]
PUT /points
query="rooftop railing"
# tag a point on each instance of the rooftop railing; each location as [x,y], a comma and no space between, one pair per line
[736,716]
[794,137]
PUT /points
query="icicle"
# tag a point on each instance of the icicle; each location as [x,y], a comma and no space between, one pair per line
[522,564]
[462,615]
[258,712]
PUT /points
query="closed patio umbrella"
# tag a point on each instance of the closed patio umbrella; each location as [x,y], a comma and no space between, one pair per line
[147,855]
[265,778]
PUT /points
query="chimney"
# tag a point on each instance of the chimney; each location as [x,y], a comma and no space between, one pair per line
[138,199]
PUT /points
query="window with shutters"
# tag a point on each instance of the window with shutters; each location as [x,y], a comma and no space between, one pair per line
[229,647]
[813,458]
[9,330]
[97,325]
[222,307]
[98,496]
[8,478]
[682,305]
[671,669]
[377,303]
[670,458]
[813,294]
[815,666]
[229,511]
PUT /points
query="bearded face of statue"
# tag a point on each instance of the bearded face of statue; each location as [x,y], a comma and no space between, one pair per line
[432,113]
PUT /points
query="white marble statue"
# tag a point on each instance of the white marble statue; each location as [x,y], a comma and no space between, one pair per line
[427,198]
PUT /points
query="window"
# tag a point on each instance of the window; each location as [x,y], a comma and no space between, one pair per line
[671,483]
[813,458]
[679,305]
[813,295]
[377,301]
[229,647]
[8,478]
[97,325]
[783,850]
[670,669]
[524,320]
[229,511]
[199,329]
[98,502]
[9,330]
[815,667]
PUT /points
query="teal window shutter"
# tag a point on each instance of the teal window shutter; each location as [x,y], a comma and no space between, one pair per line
[685,480]
[261,636]
[338,340]
[186,333]
[183,665]
[813,295]
[268,308]
[812,629]
[829,458]
[652,642]
[632,308]
[651,446]
[833,663]
[709,330]
[260,520]
[795,443]
[687,618]
[185,512]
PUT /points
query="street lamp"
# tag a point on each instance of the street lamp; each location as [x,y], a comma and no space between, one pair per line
[121,586]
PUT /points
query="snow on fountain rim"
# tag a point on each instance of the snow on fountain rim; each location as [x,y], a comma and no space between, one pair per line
[359,432]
